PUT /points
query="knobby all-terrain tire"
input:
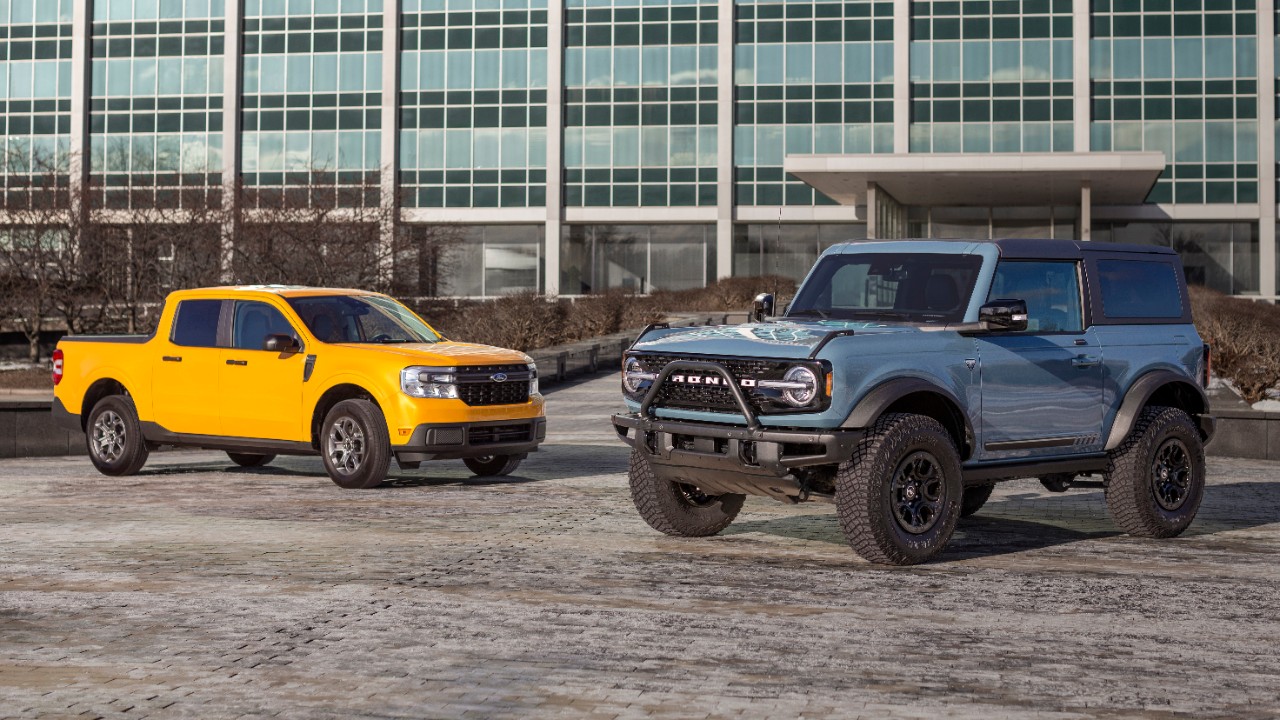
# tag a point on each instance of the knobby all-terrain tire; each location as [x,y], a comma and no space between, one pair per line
[974,498]
[864,482]
[113,436]
[363,462]
[680,510]
[494,465]
[250,460]
[1135,488]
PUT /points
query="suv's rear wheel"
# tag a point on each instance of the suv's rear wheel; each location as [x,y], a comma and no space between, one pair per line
[678,509]
[494,465]
[114,437]
[1155,479]
[355,445]
[250,460]
[899,496]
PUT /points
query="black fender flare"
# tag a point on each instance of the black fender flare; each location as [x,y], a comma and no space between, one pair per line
[874,403]
[1141,391]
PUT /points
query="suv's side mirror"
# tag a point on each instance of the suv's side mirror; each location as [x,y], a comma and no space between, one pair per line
[762,307]
[1004,315]
[280,344]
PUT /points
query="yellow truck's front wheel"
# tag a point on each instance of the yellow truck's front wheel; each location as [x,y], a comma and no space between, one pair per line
[355,444]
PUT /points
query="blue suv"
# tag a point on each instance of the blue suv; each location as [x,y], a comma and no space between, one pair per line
[907,377]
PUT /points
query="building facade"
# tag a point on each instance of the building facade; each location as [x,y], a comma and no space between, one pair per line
[580,145]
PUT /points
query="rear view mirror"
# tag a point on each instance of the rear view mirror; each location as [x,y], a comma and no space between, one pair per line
[280,344]
[1004,315]
[762,307]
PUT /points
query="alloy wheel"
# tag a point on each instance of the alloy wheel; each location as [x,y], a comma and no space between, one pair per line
[1171,474]
[346,447]
[109,436]
[917,492]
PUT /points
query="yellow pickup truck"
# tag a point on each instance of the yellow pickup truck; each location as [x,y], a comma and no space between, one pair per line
[266,370]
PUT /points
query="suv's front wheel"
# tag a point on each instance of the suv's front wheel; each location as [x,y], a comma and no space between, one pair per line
[679,509]
[899,496]
[1155,479]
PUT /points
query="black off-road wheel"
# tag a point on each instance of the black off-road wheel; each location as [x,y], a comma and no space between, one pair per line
[494,465]
[114,437]
[898,498]
[974,498]
[1057,482]
[355,444]
[679,509]
[1155,479]
[250,460]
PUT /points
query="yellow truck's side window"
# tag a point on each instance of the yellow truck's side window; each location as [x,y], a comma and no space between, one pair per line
[254,321]
[195,323]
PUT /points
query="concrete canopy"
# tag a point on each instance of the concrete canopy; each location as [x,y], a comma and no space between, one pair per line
[983,180]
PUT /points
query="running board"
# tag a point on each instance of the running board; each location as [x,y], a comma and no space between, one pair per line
[994,472]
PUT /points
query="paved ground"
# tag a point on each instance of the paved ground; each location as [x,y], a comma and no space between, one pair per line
[197,590]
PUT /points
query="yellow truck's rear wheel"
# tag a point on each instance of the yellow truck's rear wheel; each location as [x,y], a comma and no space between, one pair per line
[114,437]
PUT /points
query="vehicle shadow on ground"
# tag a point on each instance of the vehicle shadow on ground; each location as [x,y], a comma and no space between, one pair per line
[988,534]
[974,537]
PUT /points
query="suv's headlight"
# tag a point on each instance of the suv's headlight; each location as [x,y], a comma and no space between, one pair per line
[429,382]
[533,379]
[634,375]
[800,386]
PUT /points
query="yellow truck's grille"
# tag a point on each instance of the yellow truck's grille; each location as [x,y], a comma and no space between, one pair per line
[494,384]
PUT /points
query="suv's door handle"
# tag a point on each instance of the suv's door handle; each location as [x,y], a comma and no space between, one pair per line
[171,358]
[1085,361]
[237,362]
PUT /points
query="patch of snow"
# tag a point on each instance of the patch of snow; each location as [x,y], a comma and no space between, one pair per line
[1267,405]
[11,365]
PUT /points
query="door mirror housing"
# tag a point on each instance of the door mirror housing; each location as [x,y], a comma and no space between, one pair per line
[762,307]
[1004,315]
[280,344]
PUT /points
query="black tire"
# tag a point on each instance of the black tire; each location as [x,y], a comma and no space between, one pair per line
[680,510]
[882,519]
[494,465]
[250,460]
[1155,479]
[974,498]
[355,445]
[1057,482]
[113,436]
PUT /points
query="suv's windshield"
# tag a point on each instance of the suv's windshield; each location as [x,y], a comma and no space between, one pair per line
[903,287]
[361,319]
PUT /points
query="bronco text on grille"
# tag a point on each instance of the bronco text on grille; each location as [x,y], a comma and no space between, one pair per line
[494,384]
[700,390]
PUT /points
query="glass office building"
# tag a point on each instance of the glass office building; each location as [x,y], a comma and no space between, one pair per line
[581,145]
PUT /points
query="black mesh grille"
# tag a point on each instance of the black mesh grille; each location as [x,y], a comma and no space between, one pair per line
[493,434]
[705,397]
[476,385]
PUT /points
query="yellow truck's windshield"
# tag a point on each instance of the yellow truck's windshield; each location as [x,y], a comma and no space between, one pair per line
[361,319]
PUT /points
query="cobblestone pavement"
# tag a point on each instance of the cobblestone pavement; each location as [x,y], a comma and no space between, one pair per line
[197,589]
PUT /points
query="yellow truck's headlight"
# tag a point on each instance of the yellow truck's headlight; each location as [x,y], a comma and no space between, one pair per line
[429,382]
[533,379]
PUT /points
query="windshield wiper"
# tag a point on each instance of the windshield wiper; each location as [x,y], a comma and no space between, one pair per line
[887,314]
[390,341]
[809,311]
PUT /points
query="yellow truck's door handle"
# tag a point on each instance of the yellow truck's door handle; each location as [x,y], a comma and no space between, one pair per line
[171,358]
[237,362]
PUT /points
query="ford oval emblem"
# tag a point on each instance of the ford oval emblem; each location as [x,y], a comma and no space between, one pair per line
[498,377]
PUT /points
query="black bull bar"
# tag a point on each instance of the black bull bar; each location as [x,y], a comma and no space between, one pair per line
[721,459]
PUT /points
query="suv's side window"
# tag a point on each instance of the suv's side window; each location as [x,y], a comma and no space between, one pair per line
[254,321]
[195,323]
[1051,290]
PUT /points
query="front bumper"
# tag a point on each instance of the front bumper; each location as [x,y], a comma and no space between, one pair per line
[733,459]
[454,441]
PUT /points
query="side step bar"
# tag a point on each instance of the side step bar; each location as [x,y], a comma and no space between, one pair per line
[994,472]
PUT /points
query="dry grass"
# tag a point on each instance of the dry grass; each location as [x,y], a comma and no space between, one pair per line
[1245,337]
[35,379]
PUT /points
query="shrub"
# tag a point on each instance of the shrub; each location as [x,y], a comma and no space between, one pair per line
[1245,337]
